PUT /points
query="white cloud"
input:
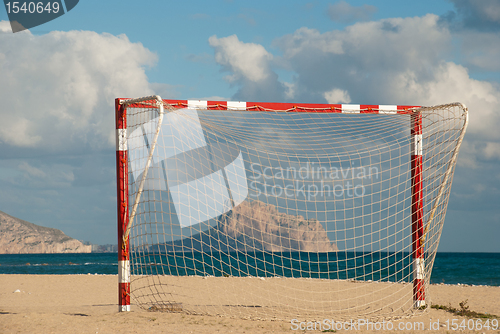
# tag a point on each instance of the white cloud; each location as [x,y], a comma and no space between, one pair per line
[5,26]
[250,68]
[58,89]
[451,83]
[337,96]
[246,60]
[295,43]
[289,90]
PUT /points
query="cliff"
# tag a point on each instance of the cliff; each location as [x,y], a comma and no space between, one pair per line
[257,226]
[19,236]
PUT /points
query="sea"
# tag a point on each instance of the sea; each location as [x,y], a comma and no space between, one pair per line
[449,268]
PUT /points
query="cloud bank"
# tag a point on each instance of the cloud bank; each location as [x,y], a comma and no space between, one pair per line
[57,90]
[391,61]
[408,61]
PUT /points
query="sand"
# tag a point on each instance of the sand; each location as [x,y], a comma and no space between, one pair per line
[88,304]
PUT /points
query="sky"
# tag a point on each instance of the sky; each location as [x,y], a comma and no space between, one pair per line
[58,82]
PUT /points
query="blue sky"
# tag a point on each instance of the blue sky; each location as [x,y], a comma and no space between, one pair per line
[58,82]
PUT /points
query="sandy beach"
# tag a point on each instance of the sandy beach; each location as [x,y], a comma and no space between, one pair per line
[88,304]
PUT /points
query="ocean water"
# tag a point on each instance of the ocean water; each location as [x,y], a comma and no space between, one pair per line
[59,264]
[449,268]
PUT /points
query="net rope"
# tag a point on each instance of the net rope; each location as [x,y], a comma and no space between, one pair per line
[284,214]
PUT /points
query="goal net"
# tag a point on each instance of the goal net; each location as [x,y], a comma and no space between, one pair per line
[282,211]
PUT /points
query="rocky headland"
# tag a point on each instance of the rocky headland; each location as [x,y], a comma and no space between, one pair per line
[19,237]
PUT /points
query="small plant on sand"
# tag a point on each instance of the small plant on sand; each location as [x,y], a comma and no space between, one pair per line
[464,311]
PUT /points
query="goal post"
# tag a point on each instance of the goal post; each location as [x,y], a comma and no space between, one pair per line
[417,210]
[122,206]
[337,208]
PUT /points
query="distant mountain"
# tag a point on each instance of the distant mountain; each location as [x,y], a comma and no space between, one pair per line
[256,226]
[19,236]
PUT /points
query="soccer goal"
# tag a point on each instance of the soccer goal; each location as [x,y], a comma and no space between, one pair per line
[281,210]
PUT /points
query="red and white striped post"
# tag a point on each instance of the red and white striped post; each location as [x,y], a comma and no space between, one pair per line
[122,199]
[417,211]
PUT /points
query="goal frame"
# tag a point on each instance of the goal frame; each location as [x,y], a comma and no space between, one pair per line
[126,212]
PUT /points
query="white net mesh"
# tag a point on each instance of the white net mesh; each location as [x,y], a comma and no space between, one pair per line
[285,214]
